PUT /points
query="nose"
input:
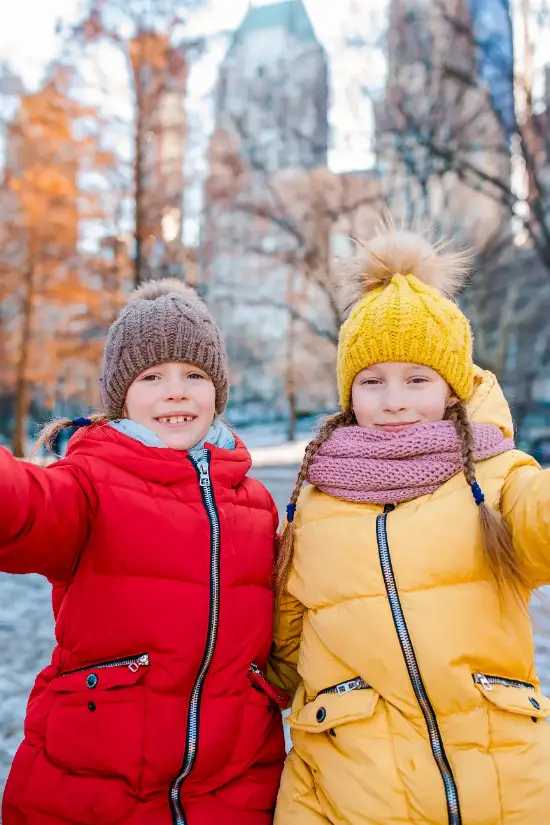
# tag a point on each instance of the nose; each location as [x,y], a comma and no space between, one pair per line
[176,389]
[393,400]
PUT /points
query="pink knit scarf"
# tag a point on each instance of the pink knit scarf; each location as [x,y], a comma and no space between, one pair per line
[362,464]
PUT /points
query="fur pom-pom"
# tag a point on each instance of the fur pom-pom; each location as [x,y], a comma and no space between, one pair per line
[394,251]
[151,290]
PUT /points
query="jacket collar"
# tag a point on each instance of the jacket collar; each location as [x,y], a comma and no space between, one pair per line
[166,466]
[488,404]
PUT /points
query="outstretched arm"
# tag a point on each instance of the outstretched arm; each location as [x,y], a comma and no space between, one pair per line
[525,505]
[45,516]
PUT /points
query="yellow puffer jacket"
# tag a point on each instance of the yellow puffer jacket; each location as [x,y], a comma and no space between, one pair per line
[405,602]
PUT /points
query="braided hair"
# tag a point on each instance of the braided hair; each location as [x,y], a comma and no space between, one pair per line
[496,535]
[49,435]
[286,545]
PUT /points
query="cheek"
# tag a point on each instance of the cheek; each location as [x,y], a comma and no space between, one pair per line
[365,405]
[433,406]
[206,399]
[137,402]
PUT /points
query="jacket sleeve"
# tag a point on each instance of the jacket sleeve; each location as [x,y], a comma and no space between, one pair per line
[282,668]
[525,504]
[45,515]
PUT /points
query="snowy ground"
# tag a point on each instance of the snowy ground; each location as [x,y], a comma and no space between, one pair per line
[26,626]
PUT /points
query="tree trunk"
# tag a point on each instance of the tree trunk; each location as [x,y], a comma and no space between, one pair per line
[291,415]
[291,380]
[21,384]
[138,193]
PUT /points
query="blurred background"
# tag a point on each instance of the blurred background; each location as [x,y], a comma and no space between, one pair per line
[238,146]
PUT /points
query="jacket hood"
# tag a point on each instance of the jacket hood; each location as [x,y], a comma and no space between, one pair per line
[166,466]
[488,404]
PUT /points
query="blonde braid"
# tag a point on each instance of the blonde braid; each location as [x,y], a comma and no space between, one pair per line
[496,535]
[286,544]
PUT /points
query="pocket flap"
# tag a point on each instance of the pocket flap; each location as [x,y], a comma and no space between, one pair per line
[331,710]
[96,679]
[517,700]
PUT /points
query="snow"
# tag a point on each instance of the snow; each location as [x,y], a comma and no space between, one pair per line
[279,455]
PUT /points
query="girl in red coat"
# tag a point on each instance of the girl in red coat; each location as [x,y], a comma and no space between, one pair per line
[160,550]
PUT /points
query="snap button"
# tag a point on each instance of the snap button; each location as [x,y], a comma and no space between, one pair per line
[91,680]
[91,706]
[534,702]
[321,715]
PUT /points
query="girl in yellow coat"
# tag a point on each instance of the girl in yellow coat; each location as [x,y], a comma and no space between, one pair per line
[405,573]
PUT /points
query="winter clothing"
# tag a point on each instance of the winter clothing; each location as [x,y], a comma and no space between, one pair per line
[139,432]
[165,321]
[405,318]
[362,464]
[398,608]
[161,569]
[219,435]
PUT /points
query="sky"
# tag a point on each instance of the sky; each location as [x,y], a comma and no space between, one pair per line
[29,48]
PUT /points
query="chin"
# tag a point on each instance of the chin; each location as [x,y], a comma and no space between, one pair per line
[181,443]
[184,441]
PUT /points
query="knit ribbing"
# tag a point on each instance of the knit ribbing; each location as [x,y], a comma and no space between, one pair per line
[365,465]
[173,327]
[407,321]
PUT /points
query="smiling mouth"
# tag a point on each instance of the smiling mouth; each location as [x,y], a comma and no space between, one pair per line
[401,426]
[175,420]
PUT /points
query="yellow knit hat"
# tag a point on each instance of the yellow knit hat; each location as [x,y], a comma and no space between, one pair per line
[396,294]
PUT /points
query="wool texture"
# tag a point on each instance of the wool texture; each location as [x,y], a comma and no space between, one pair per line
[364,465]
[164,321]
[411,322]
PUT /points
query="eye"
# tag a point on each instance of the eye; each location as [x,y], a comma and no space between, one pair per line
[371,382]
[195,375]
[419,379]
[151,377]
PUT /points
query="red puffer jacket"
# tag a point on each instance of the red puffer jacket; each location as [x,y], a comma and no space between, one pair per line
[150,713]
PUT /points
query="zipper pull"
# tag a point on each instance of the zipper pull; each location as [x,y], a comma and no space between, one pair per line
[143,661]
[483,681]
[204,473]
[345,687]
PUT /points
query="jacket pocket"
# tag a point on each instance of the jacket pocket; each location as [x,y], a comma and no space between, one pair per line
[512,695]
[260,682]
[331,710]
[96,724]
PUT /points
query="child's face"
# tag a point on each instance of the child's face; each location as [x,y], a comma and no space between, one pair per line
[176,401]
[392,397]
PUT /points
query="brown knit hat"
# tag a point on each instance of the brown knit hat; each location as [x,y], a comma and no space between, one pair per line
[164,321]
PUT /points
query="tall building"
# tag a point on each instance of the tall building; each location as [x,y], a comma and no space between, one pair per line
[271,118]
[439,123]
[492,29]
[160,82]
